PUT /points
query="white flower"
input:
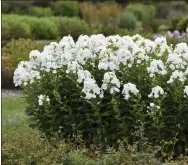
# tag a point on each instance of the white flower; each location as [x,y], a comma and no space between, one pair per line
[47,99]
[42,99]
[112,81]
[156,92]
[186,91]
[82,75]
[152,104]
[98,55]
[177,75]
[73,67]
[34,54]
[91,89]
[128,89]
[125,56]
[156,66]
[108,61]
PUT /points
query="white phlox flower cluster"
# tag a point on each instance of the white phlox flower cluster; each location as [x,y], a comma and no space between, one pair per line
[73,67]
[107,57]
[82,75]
[128,89]
[125,57]
[152,105]
[140,54]
[156,66]
[108,61]
[110,80]
[91,89]
[156,92]
[42,99]
[97,43]
[148,46]
[178,59]
[161,46]
[24,74]
[181,76]
[186,91]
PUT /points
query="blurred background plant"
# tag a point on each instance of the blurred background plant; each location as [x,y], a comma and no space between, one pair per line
[51,20]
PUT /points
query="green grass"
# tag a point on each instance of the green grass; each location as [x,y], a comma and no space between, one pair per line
[13,116]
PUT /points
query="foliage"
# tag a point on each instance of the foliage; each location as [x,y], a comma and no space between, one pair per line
[13,27]
[104,14]
[16,51]
[128,21]
[16,7]
[44,28]
[22,145]
[144,13]
[180,23]
[49,28]
[66,8]
[72,26]
[41,12]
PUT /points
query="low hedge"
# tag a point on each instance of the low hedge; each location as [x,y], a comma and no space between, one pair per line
[53,28]
[16,26]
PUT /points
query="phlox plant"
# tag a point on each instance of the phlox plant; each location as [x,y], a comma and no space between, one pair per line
[103,88]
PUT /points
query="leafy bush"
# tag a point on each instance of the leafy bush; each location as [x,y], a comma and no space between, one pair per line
[180,23]
[162,11]
[72,26]
[16,51]
[41,12]
[144,13]
[13,27]
[104,89]
[128,21]
[44,28]
[101,13]
[16,7]
[66,8]
[48,28]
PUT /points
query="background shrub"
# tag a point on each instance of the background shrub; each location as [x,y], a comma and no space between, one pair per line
[16,7]
[41,11]
[66,8]
[44,28]
[73,26]
[180,23]
[128,21]
[14,27]
[16,51]
[144,13]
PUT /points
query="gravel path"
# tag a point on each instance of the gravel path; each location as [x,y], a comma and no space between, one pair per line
[7,92]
